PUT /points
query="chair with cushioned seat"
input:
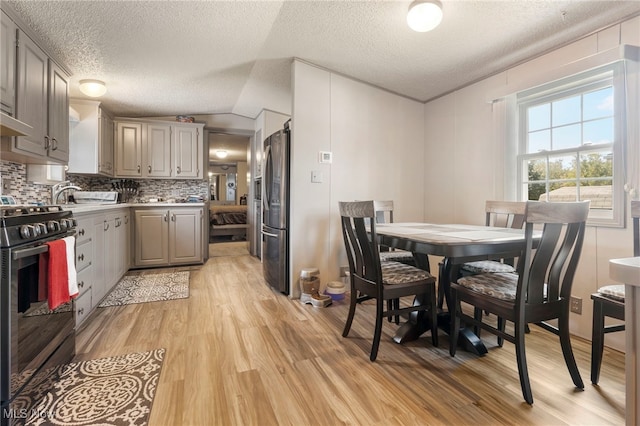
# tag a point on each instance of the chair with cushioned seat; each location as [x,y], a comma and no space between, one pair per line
[538,293]
[384,214]
[384,211]
[608,301]
[383,281]
[504,214]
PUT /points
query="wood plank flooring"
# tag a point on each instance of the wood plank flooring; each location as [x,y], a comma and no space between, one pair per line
[240,354]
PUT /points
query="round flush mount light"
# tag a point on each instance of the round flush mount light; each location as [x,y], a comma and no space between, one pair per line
[93,88]
[221,153]
[424,15]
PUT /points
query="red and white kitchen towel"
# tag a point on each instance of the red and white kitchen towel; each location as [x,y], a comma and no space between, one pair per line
[60,277]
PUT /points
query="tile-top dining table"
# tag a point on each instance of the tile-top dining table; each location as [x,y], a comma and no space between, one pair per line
[457,244]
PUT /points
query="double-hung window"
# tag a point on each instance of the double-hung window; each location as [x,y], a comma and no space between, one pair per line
[571,136]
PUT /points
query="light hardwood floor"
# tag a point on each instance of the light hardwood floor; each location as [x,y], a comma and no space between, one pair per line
[240,354]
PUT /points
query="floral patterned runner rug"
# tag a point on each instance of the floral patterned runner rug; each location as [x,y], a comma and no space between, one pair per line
[148,288]
[117,390]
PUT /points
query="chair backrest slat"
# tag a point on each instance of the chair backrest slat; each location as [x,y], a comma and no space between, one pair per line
[547,270]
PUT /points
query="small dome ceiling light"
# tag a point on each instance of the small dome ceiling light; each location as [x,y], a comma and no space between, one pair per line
[221,153]
[93,88]
[424,15]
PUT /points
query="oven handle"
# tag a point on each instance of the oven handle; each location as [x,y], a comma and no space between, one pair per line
[32,251]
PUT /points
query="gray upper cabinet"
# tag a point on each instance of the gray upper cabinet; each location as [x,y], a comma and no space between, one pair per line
[8,39]
[128,149]
[42,102]
[159,149]
[187,151]
[58,109]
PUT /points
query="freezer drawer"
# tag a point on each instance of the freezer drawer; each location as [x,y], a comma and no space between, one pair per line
[275,257]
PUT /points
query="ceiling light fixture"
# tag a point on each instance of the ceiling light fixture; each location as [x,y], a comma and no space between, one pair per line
[93,88]
[221,153]
[424,15]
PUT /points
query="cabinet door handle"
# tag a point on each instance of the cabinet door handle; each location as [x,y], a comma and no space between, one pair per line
[126,220]
[81,232]
[81,284]
[81,257]
[178,169]
[54,144]
[138,168]
[166,217]
[173,217]
[46,142]
[149,168]
[80,311]
[106,225]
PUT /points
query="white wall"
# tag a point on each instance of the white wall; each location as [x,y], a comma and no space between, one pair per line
[460,134]
[377,141]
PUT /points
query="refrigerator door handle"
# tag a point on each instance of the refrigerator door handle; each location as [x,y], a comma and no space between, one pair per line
[267,193]
[269,234]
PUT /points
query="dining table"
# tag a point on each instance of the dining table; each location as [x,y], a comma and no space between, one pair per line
[456,244]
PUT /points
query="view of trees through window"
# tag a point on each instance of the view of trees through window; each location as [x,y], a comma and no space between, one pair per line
[569,146]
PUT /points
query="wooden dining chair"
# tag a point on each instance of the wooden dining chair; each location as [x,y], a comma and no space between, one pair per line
[382,281]
[384,214]
[608,301]
[539,292]
[504,214]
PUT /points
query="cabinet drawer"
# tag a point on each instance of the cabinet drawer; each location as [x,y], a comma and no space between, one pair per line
[84,255]
[84,230]
[85,279]
[83,306]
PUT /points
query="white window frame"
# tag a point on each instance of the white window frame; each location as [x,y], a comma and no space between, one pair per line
[611,74]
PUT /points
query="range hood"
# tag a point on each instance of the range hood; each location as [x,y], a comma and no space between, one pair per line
[9,126]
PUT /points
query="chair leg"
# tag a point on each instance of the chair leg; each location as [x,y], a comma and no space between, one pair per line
[597,341]
[434,317]
[477,315]
[501,324]
[393,304]
[521,358]
[378,330]
[567,352]
[455,322]
[352,309]
[440,286]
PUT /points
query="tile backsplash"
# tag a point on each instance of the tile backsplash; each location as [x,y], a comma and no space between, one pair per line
[24,192]
[14,183]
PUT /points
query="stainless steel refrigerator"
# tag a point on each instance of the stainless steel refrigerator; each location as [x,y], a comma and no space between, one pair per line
[275,210]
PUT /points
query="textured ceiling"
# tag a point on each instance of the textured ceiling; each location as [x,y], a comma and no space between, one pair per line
[184,57]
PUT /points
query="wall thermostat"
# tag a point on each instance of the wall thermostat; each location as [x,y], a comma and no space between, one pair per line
[325,157]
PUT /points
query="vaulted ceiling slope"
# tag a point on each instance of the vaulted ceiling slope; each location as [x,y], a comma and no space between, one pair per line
[206,57]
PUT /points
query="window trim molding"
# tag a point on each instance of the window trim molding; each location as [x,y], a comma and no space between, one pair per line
[613,73]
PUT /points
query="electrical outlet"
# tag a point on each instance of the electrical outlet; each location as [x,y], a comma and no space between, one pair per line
[576,305]
[343,271]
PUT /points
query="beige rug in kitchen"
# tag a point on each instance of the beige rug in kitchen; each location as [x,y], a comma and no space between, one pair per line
[141,288]
[108,391]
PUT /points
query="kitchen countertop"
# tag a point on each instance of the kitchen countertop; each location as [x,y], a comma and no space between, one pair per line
[89,208]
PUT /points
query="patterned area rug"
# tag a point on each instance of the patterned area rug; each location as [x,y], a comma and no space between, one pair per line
[108,391]
[148,288]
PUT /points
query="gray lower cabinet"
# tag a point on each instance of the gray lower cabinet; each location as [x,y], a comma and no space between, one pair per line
[102,256]
[168,236]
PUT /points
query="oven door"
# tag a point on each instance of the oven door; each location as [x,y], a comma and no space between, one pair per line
[29,332]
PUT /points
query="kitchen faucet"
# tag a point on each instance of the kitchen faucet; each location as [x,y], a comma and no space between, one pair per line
[59,188]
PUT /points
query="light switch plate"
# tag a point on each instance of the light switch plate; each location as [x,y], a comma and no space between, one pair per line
[316,176]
